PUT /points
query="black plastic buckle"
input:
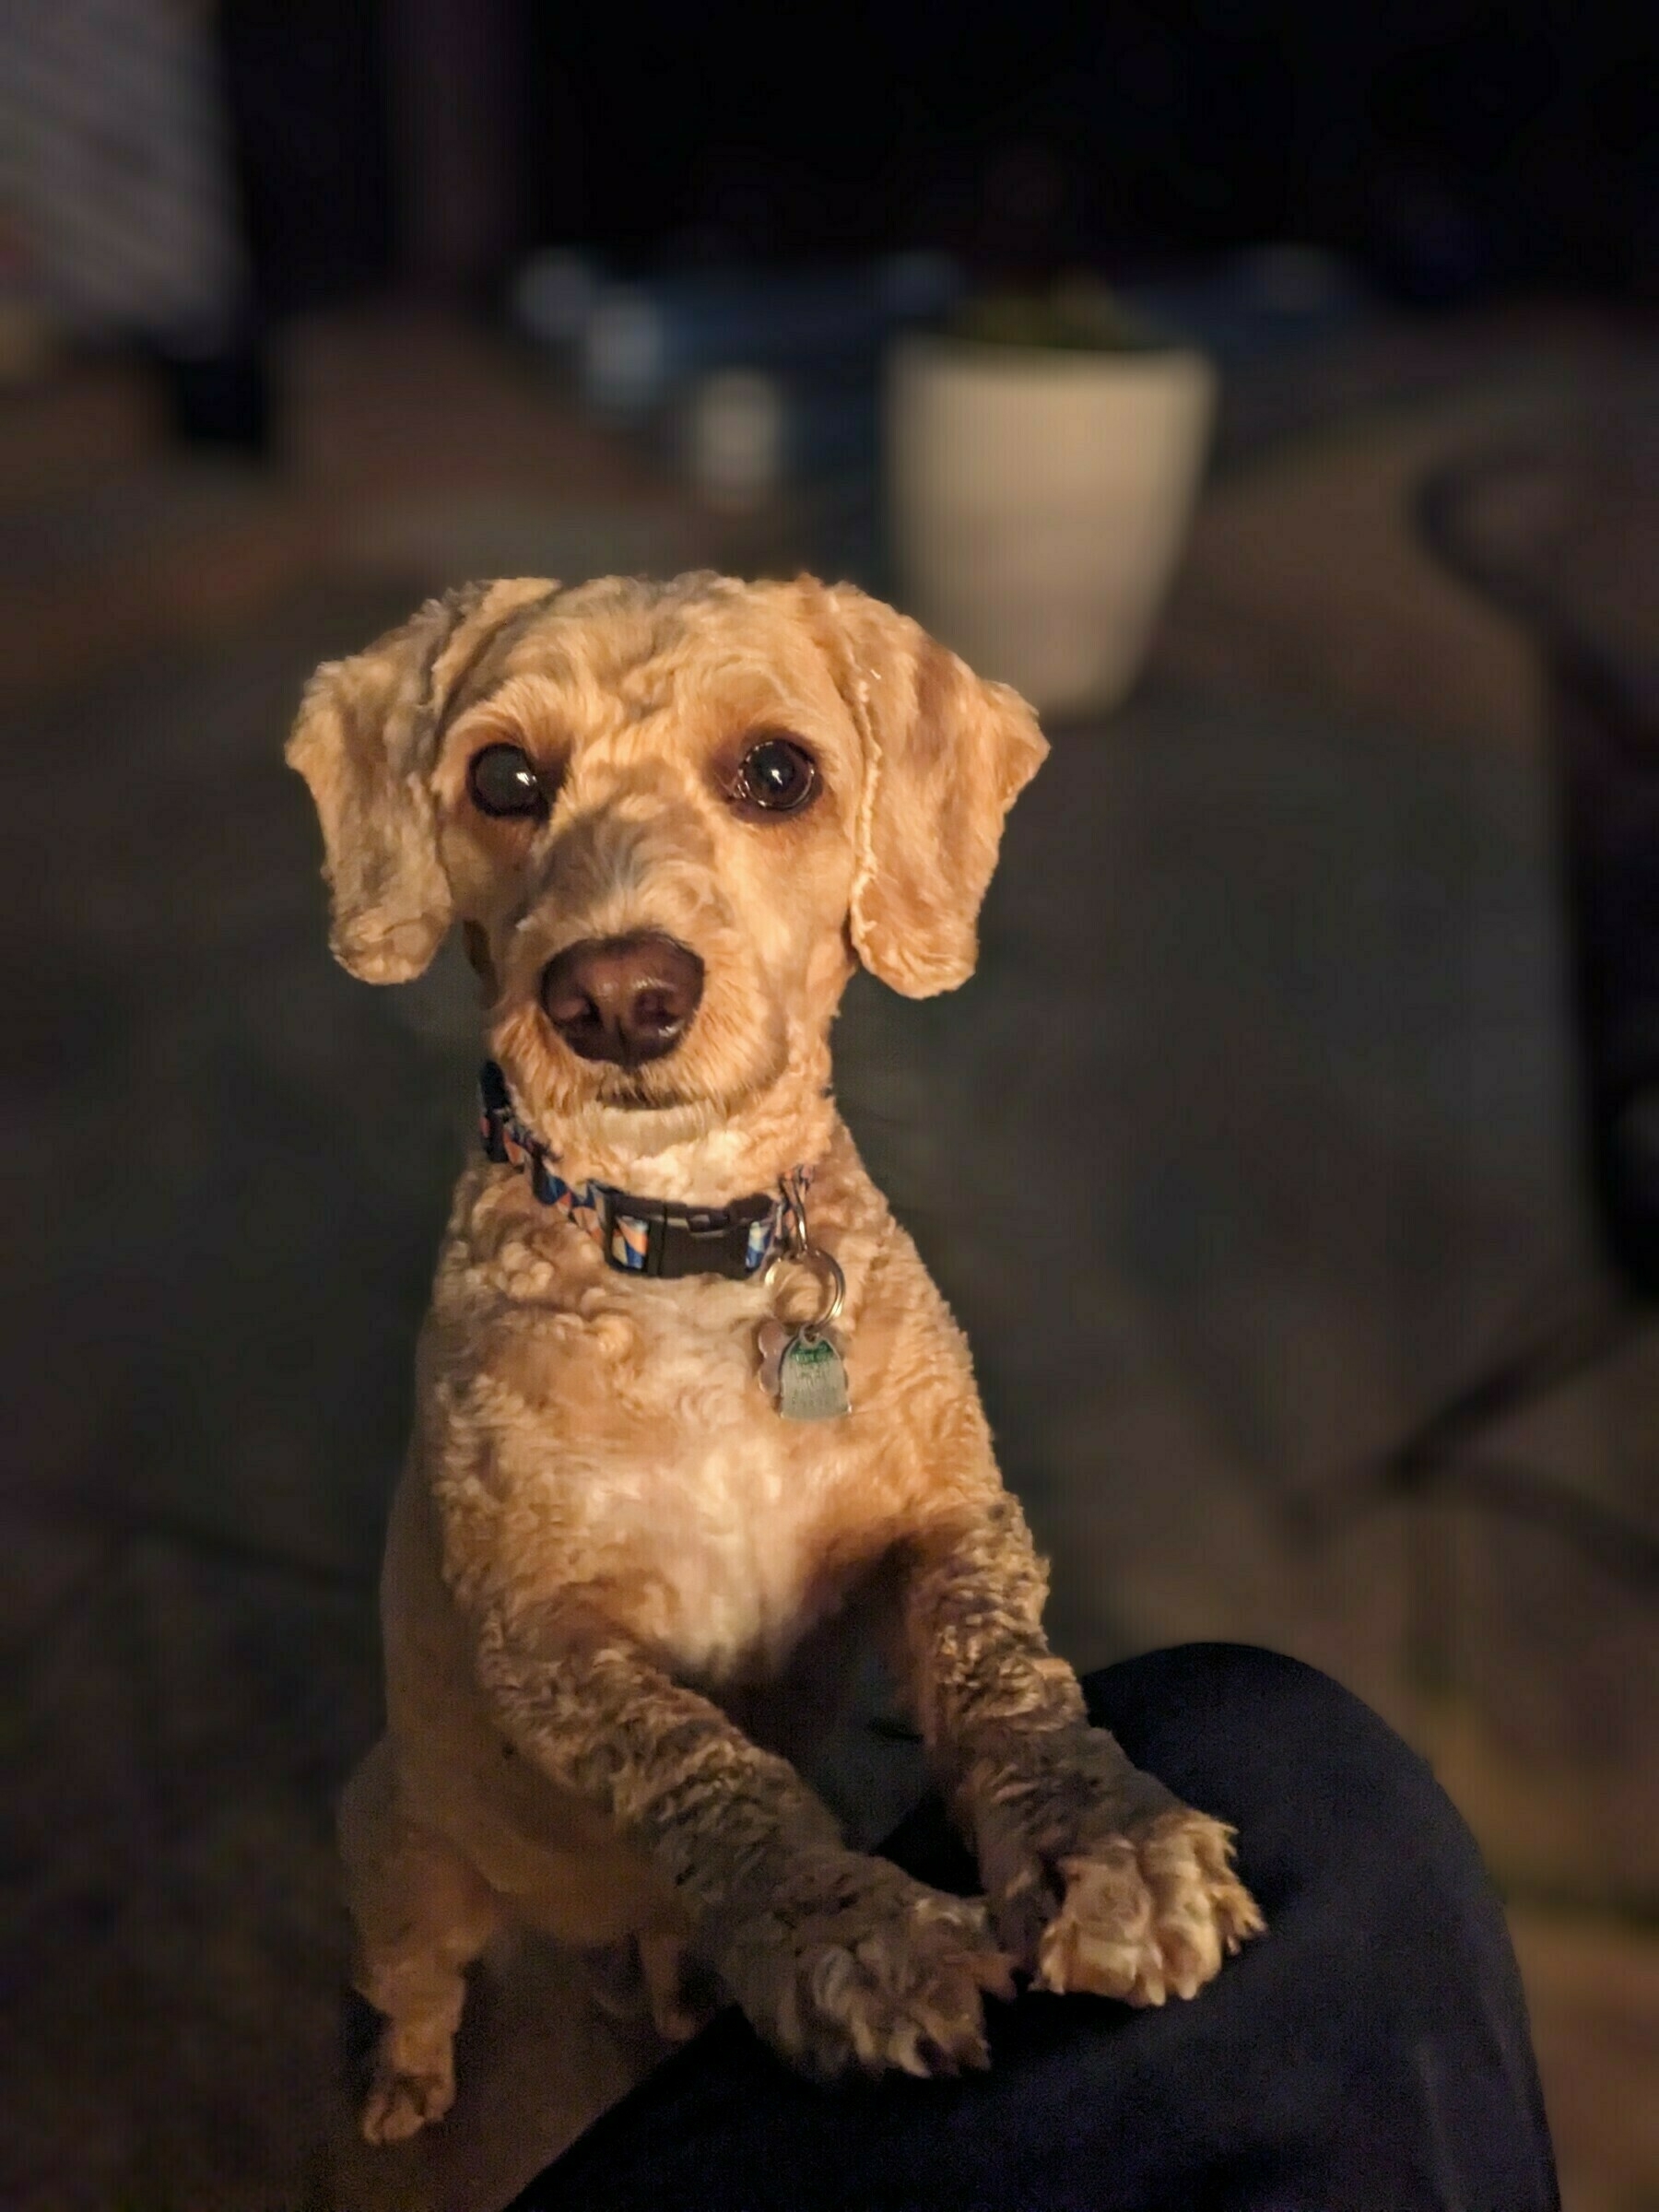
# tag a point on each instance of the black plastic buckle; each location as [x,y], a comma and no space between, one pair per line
[687,1240]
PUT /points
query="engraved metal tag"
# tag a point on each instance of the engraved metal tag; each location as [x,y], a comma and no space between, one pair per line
[812,1379]
[810,1360]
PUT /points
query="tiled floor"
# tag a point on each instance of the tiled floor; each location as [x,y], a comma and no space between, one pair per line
[1306,1159]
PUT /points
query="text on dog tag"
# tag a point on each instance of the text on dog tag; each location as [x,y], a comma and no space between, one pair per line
[812,1379]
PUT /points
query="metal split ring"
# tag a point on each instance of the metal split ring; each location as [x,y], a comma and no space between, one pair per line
[827,1269]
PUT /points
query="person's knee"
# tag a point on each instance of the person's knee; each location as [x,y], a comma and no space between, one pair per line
[1280,1749]
[1238,1688]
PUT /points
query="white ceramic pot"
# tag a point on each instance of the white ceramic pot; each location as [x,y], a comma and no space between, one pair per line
[1039,502]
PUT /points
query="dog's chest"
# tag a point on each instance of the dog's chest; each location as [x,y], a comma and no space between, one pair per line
[732,1527]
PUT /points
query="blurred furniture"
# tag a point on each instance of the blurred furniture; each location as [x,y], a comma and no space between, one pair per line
[1565,535]
[123,209]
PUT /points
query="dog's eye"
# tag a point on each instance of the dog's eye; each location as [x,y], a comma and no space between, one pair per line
[778,775]
[502,780]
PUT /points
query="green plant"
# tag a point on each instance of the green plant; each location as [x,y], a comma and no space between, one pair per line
[1078,315]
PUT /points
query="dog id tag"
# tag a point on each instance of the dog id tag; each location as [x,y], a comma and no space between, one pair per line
[812,1379]
[802,1372]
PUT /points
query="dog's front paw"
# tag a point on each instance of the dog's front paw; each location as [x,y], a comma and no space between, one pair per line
[1099,1879]
[1147,1915]
[850,1964]
[401,2101]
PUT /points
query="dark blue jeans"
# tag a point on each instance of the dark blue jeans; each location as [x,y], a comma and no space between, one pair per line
[1370,2053]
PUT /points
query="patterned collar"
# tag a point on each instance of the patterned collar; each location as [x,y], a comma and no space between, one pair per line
[641,1236]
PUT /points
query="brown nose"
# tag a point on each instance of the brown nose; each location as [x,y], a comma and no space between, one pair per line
[625,999]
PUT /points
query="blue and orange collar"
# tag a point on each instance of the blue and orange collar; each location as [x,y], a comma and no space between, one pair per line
[641,1236]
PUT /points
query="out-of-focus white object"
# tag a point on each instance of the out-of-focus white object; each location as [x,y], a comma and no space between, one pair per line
[1039,499]
[735,438]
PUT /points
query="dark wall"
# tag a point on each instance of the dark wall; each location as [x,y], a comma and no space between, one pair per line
[1519,136]
[1451,146]
[306,87]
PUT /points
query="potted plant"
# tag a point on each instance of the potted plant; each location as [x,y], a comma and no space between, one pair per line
[1044,453]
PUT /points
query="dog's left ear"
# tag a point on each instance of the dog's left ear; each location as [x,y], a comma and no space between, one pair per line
[946,756]
[365,742]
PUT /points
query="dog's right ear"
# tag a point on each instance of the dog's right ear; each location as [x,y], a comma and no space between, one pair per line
[366,741]
[946,756]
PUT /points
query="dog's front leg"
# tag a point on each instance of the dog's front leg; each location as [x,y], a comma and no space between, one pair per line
[839,1959]
[1098,1879]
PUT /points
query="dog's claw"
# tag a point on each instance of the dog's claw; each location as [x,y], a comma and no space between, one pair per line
[853,1966]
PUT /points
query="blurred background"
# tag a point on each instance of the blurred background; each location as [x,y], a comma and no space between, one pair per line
[1268,389]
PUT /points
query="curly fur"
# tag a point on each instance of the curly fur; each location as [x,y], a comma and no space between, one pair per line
[619,1591]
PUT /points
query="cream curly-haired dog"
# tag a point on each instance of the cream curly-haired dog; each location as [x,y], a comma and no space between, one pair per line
[640,1529]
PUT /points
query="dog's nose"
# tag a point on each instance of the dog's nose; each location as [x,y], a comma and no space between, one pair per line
[625,999]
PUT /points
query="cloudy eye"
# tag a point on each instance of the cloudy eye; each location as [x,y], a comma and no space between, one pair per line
[502,780]
[778,775]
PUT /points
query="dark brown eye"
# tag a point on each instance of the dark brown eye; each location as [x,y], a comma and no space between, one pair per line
[502,780]
[779,775]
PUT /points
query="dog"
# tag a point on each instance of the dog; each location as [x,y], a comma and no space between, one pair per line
[692,1422]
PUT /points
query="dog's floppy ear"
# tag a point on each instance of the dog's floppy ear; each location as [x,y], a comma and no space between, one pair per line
[946,756]
[365,742]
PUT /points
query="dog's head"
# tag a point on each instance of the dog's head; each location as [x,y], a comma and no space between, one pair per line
[669,817]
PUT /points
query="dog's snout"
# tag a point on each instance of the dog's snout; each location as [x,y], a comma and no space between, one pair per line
[623,999]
